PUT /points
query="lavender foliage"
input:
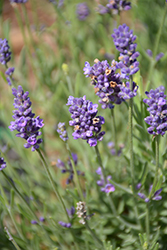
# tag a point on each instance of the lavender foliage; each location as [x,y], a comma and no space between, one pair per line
[82,11]
[25,123]
[5,53]
[157,120]
[87,125]
[107,83]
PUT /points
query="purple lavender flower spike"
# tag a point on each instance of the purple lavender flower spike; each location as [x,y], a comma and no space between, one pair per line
[25,123]
[126,93]
[64,224]
[106,82]
[18,1]
[87,125]
[62,131]
[42,219]
[9,73]
[158,111]
[156,196]
[82,11]
[2,163]
[5,53]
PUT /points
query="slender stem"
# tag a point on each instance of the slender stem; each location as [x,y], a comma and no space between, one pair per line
[52,182]
[147,224]
[114,131]
[131,137]
[157,166]
[11,239]
[93,234]
[153,62]
[75,173]
[114,211]
[14,223]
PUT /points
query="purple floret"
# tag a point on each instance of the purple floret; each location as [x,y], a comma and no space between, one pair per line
[114,7]
[25,123]
[82,11]
[87,125]
[2,163]
[158,111]
[5,53]
[64,224]
[156,196]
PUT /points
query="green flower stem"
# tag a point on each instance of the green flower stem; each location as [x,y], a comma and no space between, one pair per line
[157,166]
[132,167]
[153,62]
[14,223]
[114,131]
[45,165]
[147,224]
[93,234]
[75,173]
[126,190]
[131,137]
[114,211]
[11,239]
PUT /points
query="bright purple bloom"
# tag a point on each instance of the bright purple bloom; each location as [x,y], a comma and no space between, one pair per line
[124,42]
[5,53]
[64,224]
[138,186]
[82,11]
[25,123]
[42,219]
[87,125]
[18,1]
[62,131]
[67,168]
[106,81]
[2,163]
[158,111]
[126,92]
[108,187]
[149,52]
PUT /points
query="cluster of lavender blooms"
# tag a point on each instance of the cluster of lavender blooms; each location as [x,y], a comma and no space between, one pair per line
[82,11]
[158,111]
[87,125]
[82,212]
[107,188]
[25,123]
[106,81]
[5,53]
[2,163]
[18,1]
[158,57]
[67,168]
[62,131]
[156,196]
[113,150]
[116,6]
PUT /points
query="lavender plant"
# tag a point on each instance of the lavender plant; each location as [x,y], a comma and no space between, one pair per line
[110,193]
